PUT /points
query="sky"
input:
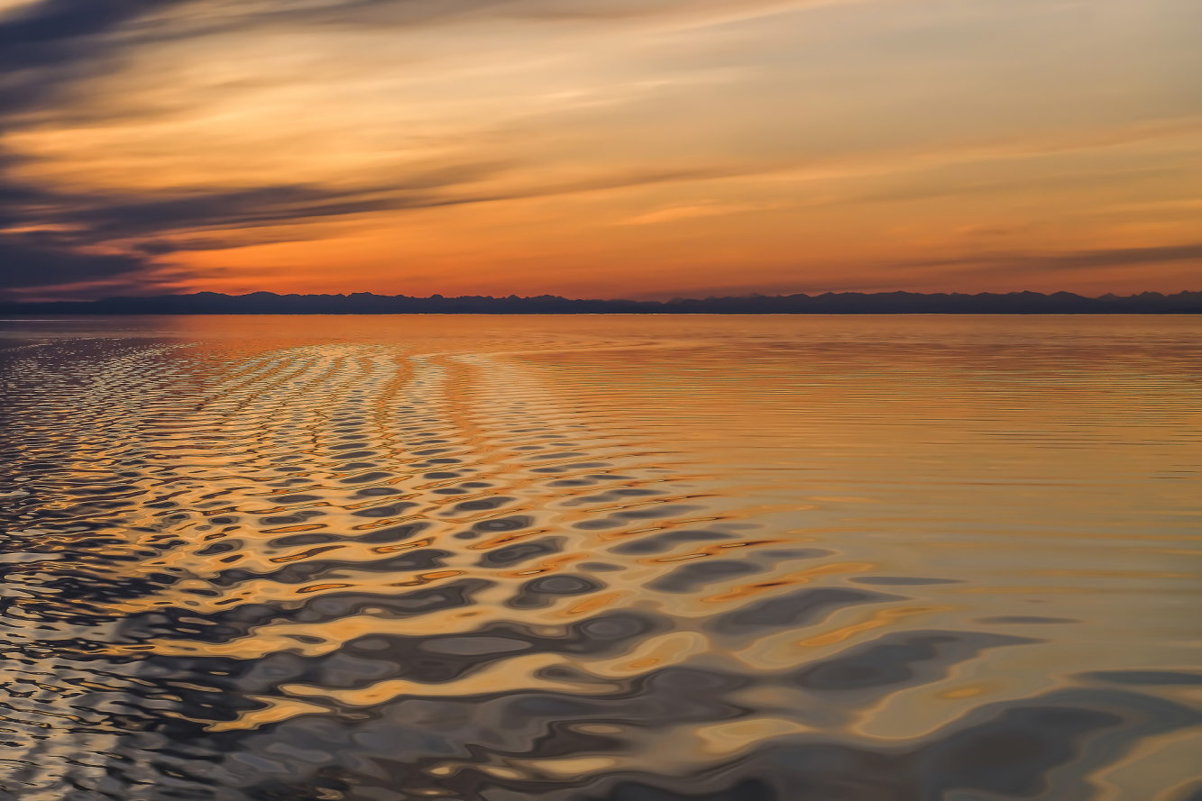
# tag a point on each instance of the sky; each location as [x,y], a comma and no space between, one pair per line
[599,148]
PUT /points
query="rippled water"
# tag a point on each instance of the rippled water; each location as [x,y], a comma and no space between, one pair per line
[601,558]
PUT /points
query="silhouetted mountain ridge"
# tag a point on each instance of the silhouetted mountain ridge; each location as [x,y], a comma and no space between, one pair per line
[826,303]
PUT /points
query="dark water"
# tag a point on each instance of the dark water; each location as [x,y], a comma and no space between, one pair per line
[601,558]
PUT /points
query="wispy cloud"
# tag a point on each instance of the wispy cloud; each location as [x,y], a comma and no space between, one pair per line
[33,260]
[1090,258]
[692,211]
[595,143]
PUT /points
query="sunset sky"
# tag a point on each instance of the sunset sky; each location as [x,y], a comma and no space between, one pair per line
[599,148]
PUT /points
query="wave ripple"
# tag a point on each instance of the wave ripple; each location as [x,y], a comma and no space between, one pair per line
[638,560]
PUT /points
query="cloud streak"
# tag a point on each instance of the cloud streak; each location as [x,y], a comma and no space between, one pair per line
[1088,259]
[69,227]
[592,146]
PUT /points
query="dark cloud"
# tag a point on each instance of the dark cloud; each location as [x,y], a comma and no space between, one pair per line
[32,261]
[1118,257]
[1017,262]
[1017,185]
[51,44]
[32,35]
[239,208]
[48,49]
[45,47]
[58,235]
[48,45]
[70,228]
[98,218]
[1011,264]
[940,273]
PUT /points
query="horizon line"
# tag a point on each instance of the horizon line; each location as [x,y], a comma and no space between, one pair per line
[895,302]
[663,300]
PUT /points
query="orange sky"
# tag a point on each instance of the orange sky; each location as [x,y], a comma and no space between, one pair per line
[599,148]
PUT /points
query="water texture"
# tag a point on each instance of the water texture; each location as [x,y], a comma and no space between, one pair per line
[601,558]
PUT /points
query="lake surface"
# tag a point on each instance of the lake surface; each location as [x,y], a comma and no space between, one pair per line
[627,558]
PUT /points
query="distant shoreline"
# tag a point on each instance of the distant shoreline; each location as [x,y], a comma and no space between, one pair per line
[827,303]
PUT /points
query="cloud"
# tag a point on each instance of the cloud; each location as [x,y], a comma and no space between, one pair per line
[50,44]
[1015,263]
[968,272]
[1107,257]
[33,261]
[49,48]
[47,45]
[58,237]
[99,217]
[153,127]
[109,217]
[692,211]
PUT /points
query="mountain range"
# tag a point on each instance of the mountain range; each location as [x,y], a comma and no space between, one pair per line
[826,303]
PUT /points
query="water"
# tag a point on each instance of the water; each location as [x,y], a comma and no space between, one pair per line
[601,558]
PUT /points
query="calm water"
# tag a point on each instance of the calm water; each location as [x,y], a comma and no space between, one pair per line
[601,558]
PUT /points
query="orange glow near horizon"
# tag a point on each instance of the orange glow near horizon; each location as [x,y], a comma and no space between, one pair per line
[603,148]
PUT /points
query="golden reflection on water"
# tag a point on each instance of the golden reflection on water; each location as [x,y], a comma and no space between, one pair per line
[642,557]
